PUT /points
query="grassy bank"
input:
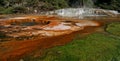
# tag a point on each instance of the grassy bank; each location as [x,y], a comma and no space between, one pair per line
[114,28]
[94,47]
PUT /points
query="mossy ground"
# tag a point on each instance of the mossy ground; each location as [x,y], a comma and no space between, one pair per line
[114,28]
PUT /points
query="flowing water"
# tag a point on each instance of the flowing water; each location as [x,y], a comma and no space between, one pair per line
[83,12]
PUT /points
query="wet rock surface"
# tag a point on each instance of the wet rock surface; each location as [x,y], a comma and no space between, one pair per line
[47,31]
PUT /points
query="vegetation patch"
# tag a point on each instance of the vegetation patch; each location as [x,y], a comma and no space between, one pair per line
[33,6]
[114,28]
[94,47]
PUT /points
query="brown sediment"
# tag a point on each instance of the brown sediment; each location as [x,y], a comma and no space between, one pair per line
[15,50]
[21,48]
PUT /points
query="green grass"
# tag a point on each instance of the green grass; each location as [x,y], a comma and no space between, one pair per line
[114,28]
[94,47]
